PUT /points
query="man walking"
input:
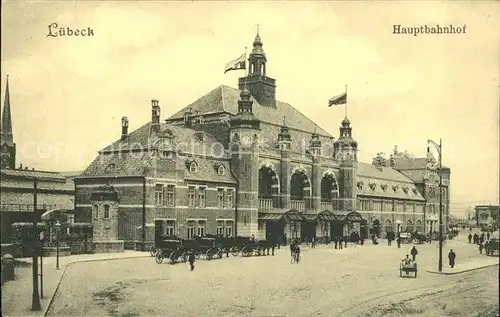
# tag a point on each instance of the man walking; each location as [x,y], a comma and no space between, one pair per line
[470,237]
[451,258]
[414,253]
[192,258]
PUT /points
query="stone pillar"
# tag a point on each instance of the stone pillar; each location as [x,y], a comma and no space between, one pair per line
[285,179]
[316,183]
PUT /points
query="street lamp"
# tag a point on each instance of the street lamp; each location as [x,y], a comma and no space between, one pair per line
[58,228]
[439,149]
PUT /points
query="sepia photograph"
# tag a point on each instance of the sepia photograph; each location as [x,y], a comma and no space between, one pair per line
[250,158]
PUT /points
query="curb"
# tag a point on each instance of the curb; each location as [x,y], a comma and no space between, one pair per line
[463,271]
[51,300]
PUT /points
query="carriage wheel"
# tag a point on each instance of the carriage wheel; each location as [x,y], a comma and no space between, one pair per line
[152,251]
[219,254]
[159,257]
[184,257]
[209,254]
[292,259]
[247,251]
[235,251]
[173,257]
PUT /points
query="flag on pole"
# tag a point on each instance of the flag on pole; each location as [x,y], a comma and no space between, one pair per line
[338,100]
[236,64]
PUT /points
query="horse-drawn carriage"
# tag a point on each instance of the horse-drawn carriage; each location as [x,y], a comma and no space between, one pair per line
[492,247]
[407,268]
[420,237]
[249,247]
[173,249]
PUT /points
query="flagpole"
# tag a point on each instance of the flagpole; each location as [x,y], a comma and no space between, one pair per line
[247,69]
[346,101]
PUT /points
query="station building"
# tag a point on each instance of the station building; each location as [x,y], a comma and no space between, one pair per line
[239,162]
[487,216]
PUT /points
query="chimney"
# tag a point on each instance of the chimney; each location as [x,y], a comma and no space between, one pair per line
[20,166]
[124,128]
[26,168]
[392,161]
[155,116]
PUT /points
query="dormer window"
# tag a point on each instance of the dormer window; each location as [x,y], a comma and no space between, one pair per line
[360,185]
[221,170]
[110,168]
[193,167]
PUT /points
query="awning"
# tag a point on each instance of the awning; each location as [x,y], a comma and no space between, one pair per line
[311,217]
[340,215]
[295,217]
[326,217]
[271,217]
[354,217]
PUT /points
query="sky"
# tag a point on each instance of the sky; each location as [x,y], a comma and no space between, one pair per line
[68,94]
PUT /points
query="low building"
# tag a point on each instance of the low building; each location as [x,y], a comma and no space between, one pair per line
[487,216]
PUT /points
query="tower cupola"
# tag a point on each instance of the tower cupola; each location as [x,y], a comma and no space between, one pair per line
[155,115]
[284,137]
[245,117]
[345,148]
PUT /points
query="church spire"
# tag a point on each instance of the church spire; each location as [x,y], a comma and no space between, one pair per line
[6,117]
[257,59]
[7,145]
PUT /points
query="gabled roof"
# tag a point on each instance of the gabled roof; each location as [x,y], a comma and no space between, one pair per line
[224,99]
[118,164]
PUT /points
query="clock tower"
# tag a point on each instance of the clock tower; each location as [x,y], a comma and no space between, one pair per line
[7,145]
[262,88]
[244,150]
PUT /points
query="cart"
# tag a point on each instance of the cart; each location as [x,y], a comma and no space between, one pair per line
[407,268]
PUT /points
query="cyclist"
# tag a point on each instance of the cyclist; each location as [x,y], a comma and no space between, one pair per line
[296,253]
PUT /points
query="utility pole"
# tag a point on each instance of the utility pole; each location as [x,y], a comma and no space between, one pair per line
[35,300]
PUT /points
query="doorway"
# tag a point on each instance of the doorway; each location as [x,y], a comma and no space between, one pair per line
[336,229]
[308,230]
[275,230]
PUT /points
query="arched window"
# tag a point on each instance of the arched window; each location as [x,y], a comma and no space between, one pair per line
[221,170]
[409,226]
[192,167]
[106,211]
[110,168]
[95,211]
[388,226]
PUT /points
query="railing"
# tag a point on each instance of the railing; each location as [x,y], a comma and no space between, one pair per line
[326,206]
[265,203]
[298,204]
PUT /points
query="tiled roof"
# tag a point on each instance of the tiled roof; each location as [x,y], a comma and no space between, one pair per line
[386,173]
[30,174]
[385,182]
[118,164]
[207,171]
[225,99]
[48,184]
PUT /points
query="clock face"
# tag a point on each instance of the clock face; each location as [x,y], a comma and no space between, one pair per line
[246,141]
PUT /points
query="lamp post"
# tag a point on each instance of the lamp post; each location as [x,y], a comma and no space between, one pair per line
[35,296]
[58,228]
[439,149]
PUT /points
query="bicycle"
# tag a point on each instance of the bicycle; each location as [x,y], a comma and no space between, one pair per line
[295,258]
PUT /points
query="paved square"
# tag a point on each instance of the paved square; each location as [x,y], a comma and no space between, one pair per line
[328,282]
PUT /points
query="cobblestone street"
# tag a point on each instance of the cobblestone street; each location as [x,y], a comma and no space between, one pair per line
[328,282]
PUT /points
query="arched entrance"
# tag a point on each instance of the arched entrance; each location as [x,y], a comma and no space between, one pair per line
[330,191]
[388,226]
[418,226]
[268,188]
[409,226]
[300,191]
[375,229]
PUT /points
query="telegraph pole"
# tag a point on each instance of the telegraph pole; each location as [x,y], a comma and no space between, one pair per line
[35,300]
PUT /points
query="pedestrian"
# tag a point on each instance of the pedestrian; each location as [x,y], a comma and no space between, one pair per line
[253,238]
[284,239]
[398,241]
[292,248]
[313,242]
[414,253]
[273,245]
[488,236]
[345,241]
[451,258]
[340,242]
[470,237]
[192,258]
[481,248]
[336,241]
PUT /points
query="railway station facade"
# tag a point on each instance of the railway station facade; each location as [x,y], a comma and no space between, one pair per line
[239,162]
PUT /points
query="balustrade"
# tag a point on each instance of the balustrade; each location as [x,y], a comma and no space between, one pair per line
[298,205]
[326,206]
[265,203]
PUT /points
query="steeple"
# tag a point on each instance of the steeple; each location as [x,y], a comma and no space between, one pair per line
[284,137]
[262,88]
[7,145]
[345,147]
[245,116]
[6,117]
